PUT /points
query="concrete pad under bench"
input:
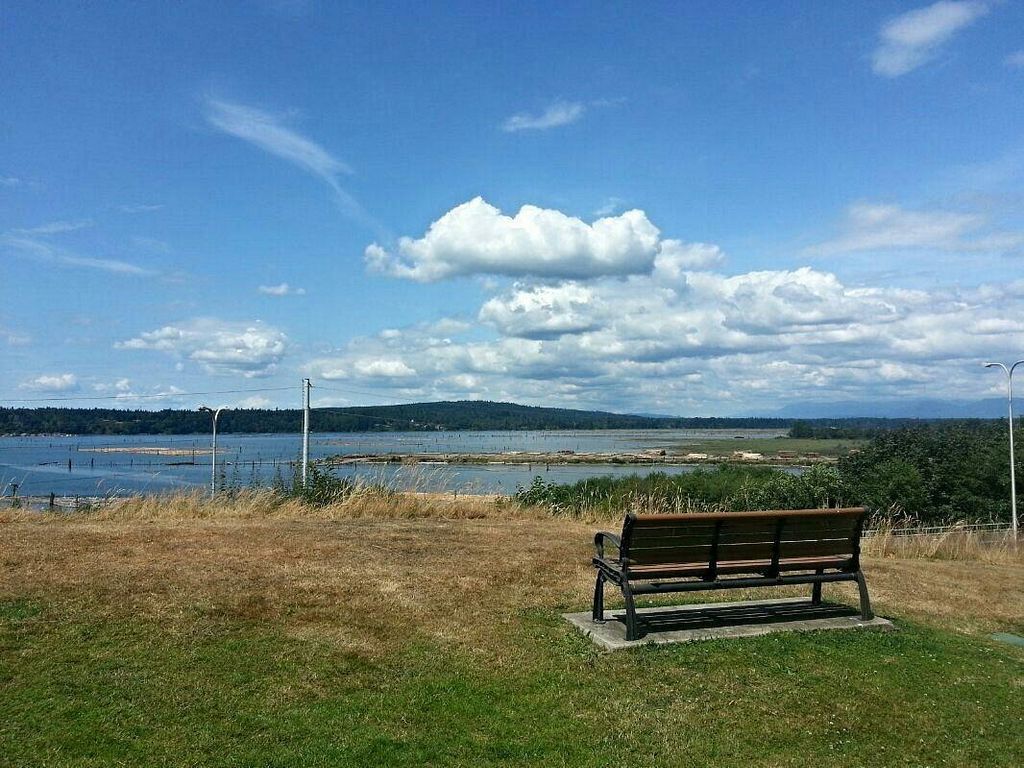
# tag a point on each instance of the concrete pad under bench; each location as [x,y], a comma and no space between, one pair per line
[709,621]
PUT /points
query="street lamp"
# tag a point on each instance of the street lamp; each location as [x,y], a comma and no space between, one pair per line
[213,472]
[1009,398]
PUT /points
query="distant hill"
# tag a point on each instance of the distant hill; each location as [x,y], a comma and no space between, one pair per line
[457,415]
[921,408]
[476,415]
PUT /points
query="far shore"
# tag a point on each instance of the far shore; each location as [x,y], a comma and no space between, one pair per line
[149,450]
[572,457]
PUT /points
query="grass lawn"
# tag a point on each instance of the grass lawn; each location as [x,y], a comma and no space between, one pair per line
[399,642]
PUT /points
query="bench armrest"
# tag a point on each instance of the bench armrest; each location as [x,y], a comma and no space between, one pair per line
[599,539]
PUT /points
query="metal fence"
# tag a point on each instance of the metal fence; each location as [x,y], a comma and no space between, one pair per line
[938,530]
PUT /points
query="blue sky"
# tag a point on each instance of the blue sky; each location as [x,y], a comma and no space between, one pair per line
[692,208]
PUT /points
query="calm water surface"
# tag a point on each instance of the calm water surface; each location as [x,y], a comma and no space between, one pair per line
[69,466]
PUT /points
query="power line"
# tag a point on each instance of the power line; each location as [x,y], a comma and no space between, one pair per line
[355,391]
[347,409]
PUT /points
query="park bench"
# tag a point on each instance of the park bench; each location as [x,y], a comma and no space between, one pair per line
[730,550]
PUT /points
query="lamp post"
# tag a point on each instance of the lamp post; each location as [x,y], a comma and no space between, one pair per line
[1009,398]
[213,471]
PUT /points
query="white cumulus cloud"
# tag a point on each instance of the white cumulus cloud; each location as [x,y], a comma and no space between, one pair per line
[475,238]
[694,342]
[58,382]
[545,311]
[254,401]
[914,38]
[248,349]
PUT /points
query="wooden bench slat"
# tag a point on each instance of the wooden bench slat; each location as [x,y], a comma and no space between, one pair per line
[744,528]
[740,550]
[640,521]
[673,570]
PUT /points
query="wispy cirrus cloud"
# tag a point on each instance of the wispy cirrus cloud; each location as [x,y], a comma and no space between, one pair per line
[56,227]
[282,289]
[874,227]
[916,37]
[10,181]
[45,252]
[557,114]
[270,133]
[610,206]
[139,208]
[13,337]
[1015,60]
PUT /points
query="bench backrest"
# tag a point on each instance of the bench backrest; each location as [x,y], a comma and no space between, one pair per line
[742,536]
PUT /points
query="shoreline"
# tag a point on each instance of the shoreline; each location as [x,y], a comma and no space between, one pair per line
[150,450]
[569,458]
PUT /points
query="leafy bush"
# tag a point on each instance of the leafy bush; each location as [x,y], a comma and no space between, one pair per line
[322,487]
[935,472]
[818,487]
[928,473]
[722,488]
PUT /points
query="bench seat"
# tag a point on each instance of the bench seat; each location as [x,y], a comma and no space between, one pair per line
[695,551]
[672,570]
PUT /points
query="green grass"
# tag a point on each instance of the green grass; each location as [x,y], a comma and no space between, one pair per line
[76,690]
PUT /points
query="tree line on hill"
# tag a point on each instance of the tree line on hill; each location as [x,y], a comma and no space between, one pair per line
[464,415]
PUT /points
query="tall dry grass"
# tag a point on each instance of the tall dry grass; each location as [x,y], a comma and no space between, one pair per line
[372,501]
[957,543]
[365,501]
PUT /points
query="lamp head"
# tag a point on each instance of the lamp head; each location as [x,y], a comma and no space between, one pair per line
[205,409]
[990,365]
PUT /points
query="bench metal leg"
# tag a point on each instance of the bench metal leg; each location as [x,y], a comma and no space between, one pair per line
[631,631]
[816,590]
[865,602]
[598,612]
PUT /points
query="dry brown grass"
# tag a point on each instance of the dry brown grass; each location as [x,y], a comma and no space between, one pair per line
[377,572]
[957,543]
[365,501]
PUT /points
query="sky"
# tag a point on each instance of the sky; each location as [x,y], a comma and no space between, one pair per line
[695,208]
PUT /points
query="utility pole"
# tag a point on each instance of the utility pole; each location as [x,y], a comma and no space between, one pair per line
[306,386]
[1008,370]
[213,463]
